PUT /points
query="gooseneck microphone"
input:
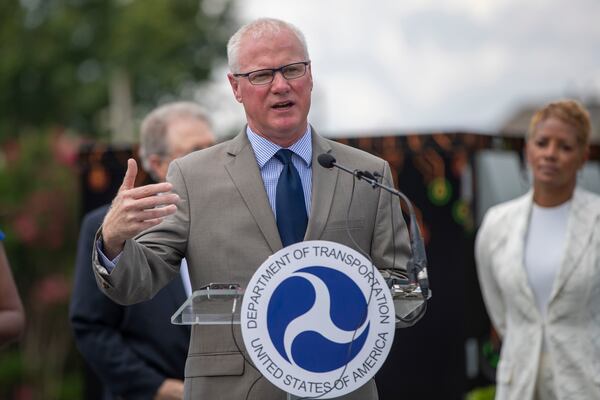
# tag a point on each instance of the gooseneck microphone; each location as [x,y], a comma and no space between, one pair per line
[326,160]
[416,267]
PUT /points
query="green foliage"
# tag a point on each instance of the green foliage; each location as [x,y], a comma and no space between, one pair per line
[59,56]
[59,62]
[10,368]
[483,393]
[39,214]
[38,201]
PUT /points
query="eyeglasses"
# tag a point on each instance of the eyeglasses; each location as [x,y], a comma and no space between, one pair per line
[266,76]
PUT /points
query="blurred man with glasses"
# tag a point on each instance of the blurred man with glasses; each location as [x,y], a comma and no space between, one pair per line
[225,212]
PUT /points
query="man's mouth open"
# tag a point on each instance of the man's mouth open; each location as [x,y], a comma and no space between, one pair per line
[283,105]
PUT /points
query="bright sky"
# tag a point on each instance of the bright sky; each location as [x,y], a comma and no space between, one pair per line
[388,66]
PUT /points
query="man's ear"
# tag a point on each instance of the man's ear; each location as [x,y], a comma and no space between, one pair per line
[235,86]
[154,165]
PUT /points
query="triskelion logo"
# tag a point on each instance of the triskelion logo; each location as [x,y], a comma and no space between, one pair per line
[317,319]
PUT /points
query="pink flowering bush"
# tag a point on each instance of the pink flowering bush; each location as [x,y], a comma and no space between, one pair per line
[39,196]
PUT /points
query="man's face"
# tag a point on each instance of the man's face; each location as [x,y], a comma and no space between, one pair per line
[184,135]
[277,111]
[187,134]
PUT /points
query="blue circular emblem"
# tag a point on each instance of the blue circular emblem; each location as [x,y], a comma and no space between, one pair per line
[344,308]
[308,324]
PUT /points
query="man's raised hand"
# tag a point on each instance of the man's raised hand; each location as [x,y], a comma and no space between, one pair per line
[134,210]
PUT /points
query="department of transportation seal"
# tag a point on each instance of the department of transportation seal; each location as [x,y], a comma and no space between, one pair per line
[317,319]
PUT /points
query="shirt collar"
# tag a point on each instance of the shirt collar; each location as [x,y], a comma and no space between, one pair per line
[264,149]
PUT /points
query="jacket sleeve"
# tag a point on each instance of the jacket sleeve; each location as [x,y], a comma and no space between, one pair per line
[391,241]
[492,295]
[390,244]
[96,321]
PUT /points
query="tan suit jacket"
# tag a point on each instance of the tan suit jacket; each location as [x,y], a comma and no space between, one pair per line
[572,322]
[225,229]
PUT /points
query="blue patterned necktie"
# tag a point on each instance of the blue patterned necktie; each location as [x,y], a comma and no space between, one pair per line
[289,202]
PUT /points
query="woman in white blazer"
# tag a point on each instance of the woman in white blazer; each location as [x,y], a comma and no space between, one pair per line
[538,261]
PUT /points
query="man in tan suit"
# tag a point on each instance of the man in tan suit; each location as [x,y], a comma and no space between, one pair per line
[219,209]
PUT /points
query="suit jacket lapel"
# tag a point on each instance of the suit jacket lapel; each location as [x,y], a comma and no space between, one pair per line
[323,188]
[244,173]
[518,231]
[579,231]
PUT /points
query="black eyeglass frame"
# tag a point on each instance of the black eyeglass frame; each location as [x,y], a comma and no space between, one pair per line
[273,71]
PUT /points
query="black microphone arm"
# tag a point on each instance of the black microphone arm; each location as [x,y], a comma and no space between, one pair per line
[417,264]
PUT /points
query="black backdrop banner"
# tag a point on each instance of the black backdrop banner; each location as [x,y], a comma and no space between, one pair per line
[427,360]
[448,352]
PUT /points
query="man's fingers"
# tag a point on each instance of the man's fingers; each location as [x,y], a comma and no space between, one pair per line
[153,218]
[127,224]
[130,174]
[154,201]
[157,213]
[150,190]
[150,223]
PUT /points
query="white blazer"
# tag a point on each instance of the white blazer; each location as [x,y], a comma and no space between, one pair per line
[572,323]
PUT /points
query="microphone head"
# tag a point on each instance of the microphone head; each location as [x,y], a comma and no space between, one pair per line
[369,175]
[326,160]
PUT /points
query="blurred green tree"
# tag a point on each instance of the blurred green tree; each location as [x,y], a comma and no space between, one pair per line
[84,64]
[38,211]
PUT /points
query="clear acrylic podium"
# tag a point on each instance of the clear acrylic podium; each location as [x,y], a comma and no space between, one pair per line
[216,304]
[219,304]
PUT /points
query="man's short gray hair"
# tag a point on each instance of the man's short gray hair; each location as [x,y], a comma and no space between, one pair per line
[257,29]
[153,133]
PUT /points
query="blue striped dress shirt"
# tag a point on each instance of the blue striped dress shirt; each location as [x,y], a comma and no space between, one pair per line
[270,167]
